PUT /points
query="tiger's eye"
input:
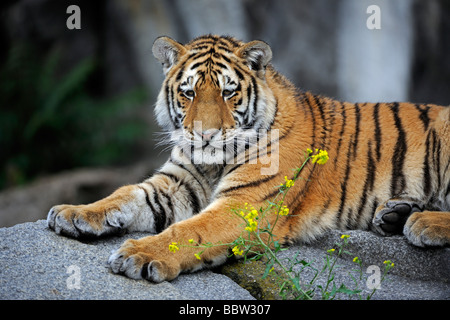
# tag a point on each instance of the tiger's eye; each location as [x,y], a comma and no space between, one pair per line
[189,94]
[227,93]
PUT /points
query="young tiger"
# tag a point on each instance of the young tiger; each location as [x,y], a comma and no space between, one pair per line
[238,128]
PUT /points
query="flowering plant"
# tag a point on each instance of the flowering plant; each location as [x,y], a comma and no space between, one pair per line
[258,241]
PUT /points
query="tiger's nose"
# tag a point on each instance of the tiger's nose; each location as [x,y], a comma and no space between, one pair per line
[207,135]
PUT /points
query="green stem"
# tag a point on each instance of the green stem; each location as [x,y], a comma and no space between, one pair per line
[275,258]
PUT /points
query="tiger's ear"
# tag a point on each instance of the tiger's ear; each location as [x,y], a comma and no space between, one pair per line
[167,51]
[258,55]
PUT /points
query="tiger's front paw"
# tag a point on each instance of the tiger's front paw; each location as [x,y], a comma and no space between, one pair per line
[146,258]
[85,221]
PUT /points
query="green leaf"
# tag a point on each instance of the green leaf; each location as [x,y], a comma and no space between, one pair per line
[277,246]
[345,290]
[269,266]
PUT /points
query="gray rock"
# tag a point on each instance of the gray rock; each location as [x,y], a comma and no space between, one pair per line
[35,263]
[418,273]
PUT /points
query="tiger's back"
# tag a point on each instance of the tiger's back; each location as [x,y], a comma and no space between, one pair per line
[238,128]
[378,152]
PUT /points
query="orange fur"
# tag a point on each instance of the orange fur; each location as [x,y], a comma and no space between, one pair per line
[387,161]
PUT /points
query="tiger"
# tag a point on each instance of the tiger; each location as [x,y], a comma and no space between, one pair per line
[236,127]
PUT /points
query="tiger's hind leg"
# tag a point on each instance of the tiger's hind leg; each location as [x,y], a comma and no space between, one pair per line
[390,217]
[408,216]
[428,228]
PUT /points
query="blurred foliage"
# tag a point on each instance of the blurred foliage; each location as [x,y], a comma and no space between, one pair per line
[50,122]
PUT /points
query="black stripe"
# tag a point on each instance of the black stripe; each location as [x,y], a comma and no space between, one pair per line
[192,56]
[255,101]
[398,182]
[221,65]
[171,176]
[341,134]
[190,172]
[180,74]
[368,186]
[231,41]
[271,195]
[332,121]
[247,111]
[320,107]
[159,215]
[196,65]
[437,157]
[171,216]
[173,114]
[374,205]
[313,120]
[208,42]
[147,199]
[194,200]
[357,130]
[239,74]
[200,47]
[376,119]
[248,185]
[204,53]
[423,109]
[234,168]
[299,196]
[349,220]
[168,103]
[253,156]
[344,185]
[223,56]
[322,116]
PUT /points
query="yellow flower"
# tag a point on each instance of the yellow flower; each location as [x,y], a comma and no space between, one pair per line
[345,236]
[321,157]
[191,240]
[289,183]
[237,252]
[271,269]
[173,247]
[389,263]
[284,211]
[331,250]
[356,260]
[251,215]
[309,151]
[252,225]
[197,256]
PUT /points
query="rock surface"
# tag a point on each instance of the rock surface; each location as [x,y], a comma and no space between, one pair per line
[35,263]
[418,274]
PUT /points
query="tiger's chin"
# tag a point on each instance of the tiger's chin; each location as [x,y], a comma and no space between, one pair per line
[211,155]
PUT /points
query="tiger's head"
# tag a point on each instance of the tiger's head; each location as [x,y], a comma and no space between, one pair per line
[214,100]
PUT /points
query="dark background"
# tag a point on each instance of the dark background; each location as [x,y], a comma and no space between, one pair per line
[72,99]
